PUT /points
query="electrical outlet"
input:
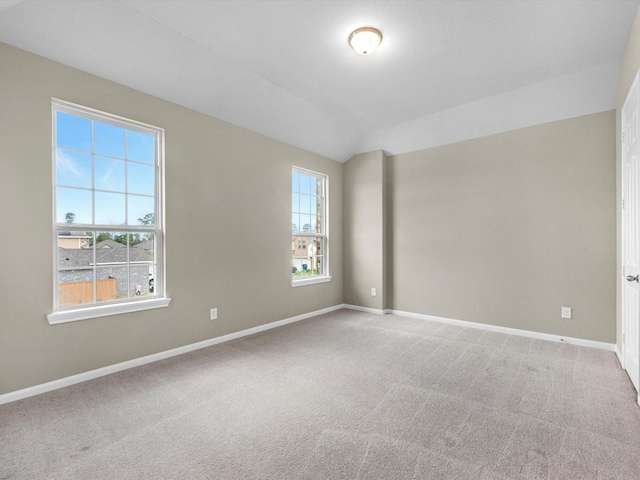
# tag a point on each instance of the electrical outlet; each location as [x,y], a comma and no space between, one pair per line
[374,292]
[214,313]
[566,312]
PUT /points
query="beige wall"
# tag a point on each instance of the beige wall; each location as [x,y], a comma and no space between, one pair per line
[220,180]
[364,229]
[507,229]
[628,70]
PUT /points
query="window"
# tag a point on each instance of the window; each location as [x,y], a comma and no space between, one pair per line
[309,227]
[107,214]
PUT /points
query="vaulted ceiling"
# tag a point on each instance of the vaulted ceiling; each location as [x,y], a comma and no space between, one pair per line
[446,70]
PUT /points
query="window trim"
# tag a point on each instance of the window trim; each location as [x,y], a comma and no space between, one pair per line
[96,311]
[311,280]
[85,311]
[326,276]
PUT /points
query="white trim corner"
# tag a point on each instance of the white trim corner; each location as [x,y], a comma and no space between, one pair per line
[620,357]
[365,309]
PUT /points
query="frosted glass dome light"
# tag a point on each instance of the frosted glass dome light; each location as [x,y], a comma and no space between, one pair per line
[365,40]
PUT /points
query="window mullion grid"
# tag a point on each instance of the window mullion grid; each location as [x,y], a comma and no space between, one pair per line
[127,229]
[157,220]
[126,178]
[93,211]
[56,254]
[128,264]
[95,269]
[126,210]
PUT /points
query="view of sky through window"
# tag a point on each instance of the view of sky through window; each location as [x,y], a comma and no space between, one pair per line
[105,173]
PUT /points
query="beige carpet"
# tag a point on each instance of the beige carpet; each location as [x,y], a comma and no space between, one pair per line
[345,395]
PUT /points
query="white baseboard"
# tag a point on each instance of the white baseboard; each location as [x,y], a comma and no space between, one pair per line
[512,331]
[136,362]
[364,309]
[619,355]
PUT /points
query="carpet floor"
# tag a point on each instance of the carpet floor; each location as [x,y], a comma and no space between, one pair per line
[344,395]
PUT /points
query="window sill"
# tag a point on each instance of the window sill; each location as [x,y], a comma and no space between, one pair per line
[74,315]
[310,281]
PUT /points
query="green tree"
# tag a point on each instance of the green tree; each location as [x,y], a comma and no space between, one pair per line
[306,227]
[294,228]
[70,217]
[148,220]
[134,238]
[102,236]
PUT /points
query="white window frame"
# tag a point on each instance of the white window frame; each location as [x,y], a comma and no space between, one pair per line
[158,300]
[325,277]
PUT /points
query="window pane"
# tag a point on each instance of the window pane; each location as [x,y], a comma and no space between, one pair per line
[142,265]
[152,279]
[305,221]
[108,140]
[111,247]
[112,283]
[73,132]
[110,208]
[143,250]
[317,259]
[140,179]
[305,260]
[314,186]
[140,147]
[305,203]
[139,276]
[295,202]
[313,224]
[141,210]
[295,223]
[147,220]
[75,264]
[74,248]
[109,174]
[304,184]
[73,205]
[295,182]
[299,257]
[101,237]
[73,169]
[75,287]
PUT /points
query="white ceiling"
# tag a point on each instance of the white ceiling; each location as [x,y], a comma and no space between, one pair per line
[445,71]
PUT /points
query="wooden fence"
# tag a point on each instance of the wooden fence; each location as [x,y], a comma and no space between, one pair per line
[78,293]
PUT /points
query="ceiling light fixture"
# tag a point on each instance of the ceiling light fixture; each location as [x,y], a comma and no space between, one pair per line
[365,40]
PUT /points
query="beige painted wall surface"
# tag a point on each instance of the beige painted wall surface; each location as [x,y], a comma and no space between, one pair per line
[228,226]
[507,229]
[628,70]
[364,229]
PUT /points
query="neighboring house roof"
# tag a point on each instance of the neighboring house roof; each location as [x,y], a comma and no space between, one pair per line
[73,234]
[83,257]
[109,244]
[145,245]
